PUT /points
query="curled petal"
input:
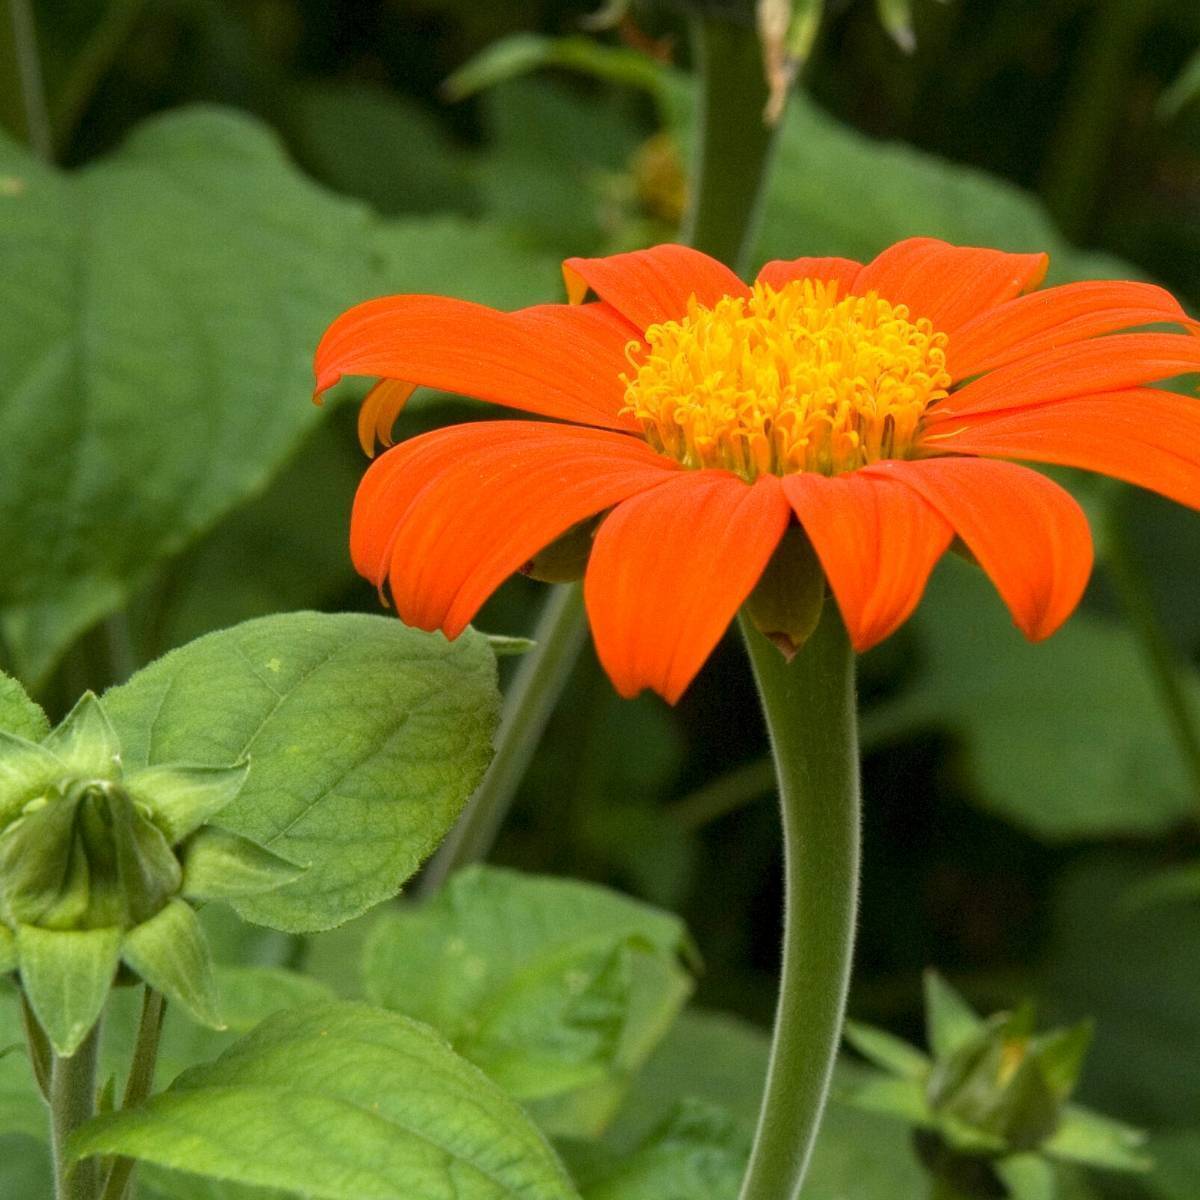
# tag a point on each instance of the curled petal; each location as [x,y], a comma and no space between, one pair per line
[378,412]
[1028,534]
[1144,436]
[843,271]
[446,517]
[877,541]
[1104,364]
[949,284]
[554,360]
[670,568]
[652,286]
[1057,317]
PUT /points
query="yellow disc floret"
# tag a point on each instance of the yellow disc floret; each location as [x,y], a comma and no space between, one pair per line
[789,380]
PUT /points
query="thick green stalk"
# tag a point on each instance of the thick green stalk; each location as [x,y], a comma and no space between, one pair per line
[72,1102]
[139,1084]
[530,700]
[733,141]
[809,706]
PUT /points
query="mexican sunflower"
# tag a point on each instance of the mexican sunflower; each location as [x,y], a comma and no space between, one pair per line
[699,416]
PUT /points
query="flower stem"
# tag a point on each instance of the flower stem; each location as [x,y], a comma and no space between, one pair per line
[72,1102]
[530,700]
[810,712]
[29,70]
[733,141]
[139,1084]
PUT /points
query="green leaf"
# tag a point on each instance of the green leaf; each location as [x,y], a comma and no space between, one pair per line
[366,738]
[67,976]
[110,305]
[222,866]
[1088,1137]
[700,1151]
[1119,773]
[85,740]
[342,1102]
[19,714]
[364,140]
[887,1051]
[557,989]
[8,950]
[950,1022]
[511,57]
[169,952]
[183,798]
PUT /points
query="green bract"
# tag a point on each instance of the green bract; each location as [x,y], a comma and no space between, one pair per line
[97,866]
[994,1093]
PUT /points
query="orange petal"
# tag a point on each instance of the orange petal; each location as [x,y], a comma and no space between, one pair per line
[1102,364]
[1147,437]
[652,286]
[378,412]
[448,516]
[552,359]
[1056,317]
[1028,534]
[670,568]
[949,284]
[877,541]
[780,271]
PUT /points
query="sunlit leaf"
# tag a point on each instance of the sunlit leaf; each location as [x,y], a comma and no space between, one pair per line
[559,990]
[343,1102]
[359,792]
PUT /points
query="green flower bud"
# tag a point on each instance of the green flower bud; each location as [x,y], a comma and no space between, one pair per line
[97,868]
[85,857]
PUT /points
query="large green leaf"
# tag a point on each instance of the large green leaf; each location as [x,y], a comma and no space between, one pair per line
[162,306]
[365,739]
[700,1151]
[557,989]
[19,715]
[1116,771]
[344,1102]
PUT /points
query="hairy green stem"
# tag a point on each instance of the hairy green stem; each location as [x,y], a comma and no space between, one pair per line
[809,706]
[29,69]
[733,142]
[72,1102]
[139,1084]
[1133,591]
[530,700]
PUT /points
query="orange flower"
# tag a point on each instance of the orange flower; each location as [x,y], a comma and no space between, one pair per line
[869,403]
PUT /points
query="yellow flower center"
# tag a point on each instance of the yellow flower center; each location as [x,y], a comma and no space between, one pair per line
[788,380]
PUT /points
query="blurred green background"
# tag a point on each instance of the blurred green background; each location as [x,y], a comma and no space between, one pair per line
[238,172]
